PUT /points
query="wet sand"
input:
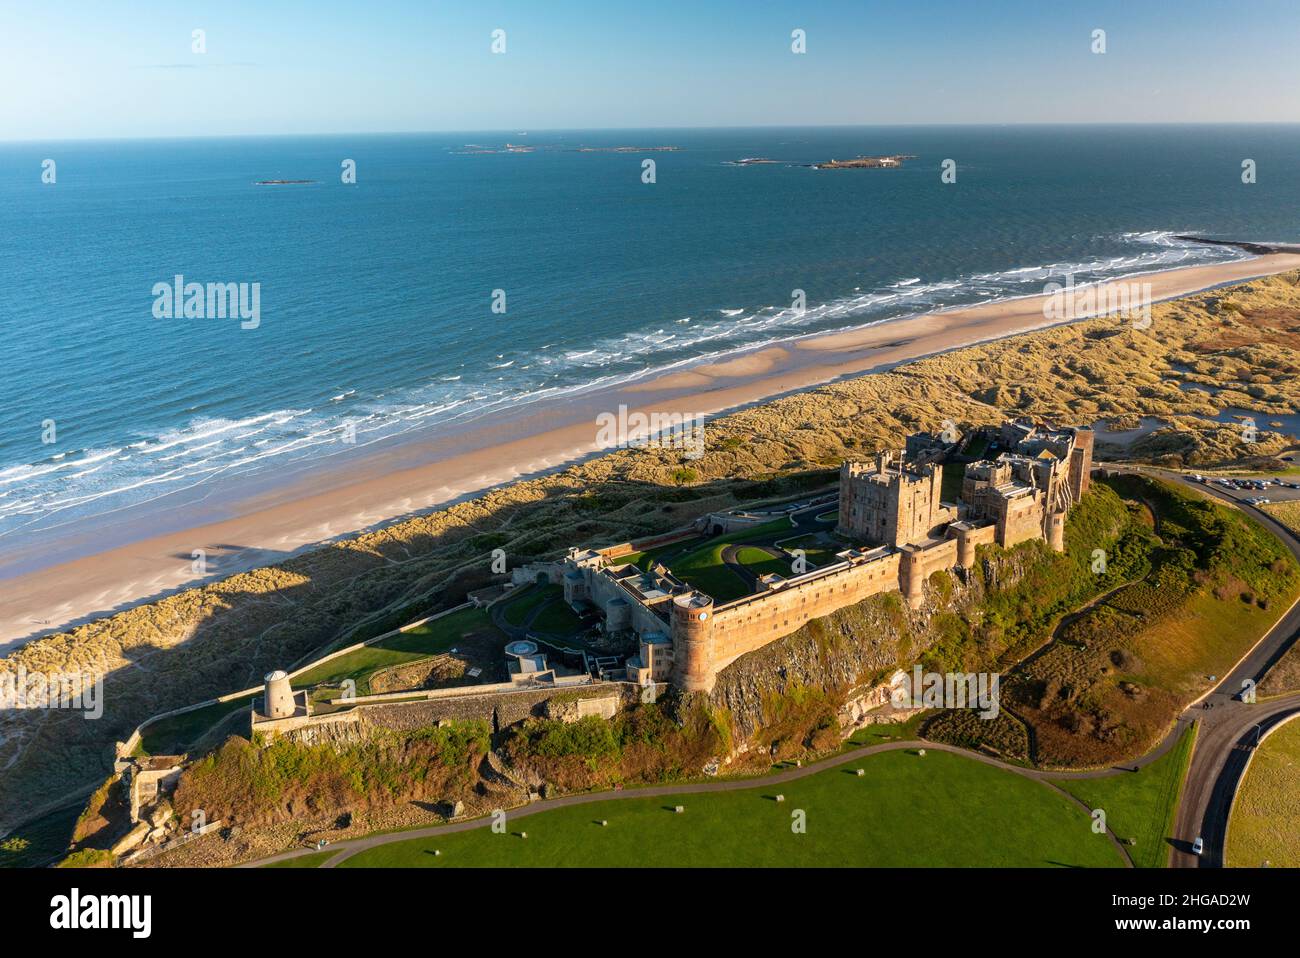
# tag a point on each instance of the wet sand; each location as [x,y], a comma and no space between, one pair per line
[128,559]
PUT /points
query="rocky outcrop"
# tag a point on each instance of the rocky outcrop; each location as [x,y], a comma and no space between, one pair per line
[849,654]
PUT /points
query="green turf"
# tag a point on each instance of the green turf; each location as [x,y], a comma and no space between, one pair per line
[704,569]
[953,474]
[762,563]
[888,731]
[314,860]
[1265,822]
[175,734]
[817,550]
[1142,804]
[521,606]
[557,619]
[942,810]
[178,733]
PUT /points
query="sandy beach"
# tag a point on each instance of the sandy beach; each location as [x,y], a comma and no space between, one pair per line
[109,568]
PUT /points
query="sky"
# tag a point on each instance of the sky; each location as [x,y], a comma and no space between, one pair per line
[79,69]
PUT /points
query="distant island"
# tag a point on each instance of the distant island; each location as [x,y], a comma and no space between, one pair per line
[866,163]
[752,161]
[627,149]
[475,149]
[281,182]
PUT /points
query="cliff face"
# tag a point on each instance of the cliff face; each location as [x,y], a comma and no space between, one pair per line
[844,657]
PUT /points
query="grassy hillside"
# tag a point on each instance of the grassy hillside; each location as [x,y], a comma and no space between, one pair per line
[1141,805]
[1265,823]
[907,811]
[1115,675]
[1241,341]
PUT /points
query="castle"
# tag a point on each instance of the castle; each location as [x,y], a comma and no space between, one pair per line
[901,531]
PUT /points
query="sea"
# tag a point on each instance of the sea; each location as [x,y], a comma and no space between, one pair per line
[467,275]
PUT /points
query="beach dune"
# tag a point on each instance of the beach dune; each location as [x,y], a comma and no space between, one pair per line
[84,576]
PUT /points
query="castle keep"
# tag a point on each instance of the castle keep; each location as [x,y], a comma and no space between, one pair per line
[898,530]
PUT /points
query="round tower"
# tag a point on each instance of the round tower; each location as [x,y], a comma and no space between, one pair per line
[1056,531]
[692,626]
[279,695]
[910,575]
[618,614]
[965,549]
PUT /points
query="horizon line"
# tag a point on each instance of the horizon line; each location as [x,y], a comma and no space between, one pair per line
[515,131]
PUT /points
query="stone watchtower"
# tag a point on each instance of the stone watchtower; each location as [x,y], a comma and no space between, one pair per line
[692,632]
[279,696]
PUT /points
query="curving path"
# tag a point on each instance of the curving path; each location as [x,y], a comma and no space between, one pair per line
[346,849]
[1227,726]
[1229,729]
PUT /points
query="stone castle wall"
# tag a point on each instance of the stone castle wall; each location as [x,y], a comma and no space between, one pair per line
[702,648]
[499,710]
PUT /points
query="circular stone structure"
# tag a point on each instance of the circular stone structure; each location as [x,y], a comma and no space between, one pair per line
[521,648]
[279,695]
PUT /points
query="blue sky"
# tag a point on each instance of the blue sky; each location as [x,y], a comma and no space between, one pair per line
[94,68]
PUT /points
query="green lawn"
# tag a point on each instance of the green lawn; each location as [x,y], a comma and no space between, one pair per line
[1141,804]
[428,639]
[941,810]
[816,550]
[953,474]
[762,563]
[179,732]
[1265,822]
[41,841]
[518,608]
[557,619]
[704,569]
[644,560]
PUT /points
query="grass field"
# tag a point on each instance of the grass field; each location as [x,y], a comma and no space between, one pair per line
[1265,822]
[762,562]
[38,842]
[177,733]
[1287,513]
[704,569]
[517,609]
[557,619]
[1141,805]
[817,551]
[941,810]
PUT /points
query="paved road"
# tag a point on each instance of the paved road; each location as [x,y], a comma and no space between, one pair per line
[346,849]
[1227,733]
[1227,730]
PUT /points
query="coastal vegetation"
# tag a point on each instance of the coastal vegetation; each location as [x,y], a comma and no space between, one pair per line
[645,744]
[247,783]
[1224,349]
[1265,821]
[1100,663]
[1140,806]
[940,810]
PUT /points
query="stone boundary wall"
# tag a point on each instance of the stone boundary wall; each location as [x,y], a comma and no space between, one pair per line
[133,741]
[499,709]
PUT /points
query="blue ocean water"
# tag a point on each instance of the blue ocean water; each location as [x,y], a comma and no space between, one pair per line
[376,298]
